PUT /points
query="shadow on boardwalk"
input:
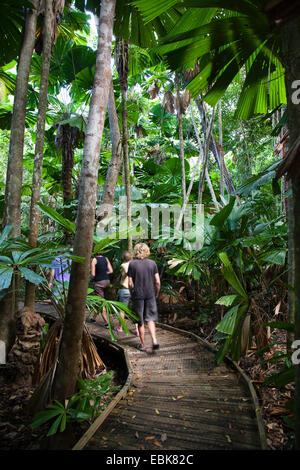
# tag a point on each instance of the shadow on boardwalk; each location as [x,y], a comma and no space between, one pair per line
[178,400]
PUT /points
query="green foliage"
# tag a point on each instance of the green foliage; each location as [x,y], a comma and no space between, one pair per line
[87,403]
[18,256]
[242,36]
[96,304]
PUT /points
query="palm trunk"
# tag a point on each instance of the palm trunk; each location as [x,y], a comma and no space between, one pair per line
[116,157]
[67,161]
[291,40]
[39,145]
[122,66]
[70,354]
[181,143]
[221,150]
[12,208]
[13,189]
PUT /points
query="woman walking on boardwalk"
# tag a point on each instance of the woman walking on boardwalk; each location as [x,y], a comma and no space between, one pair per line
[101,268]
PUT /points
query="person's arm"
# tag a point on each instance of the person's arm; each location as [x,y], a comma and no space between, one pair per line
[93,267]
[157,284]
[52,272]
[130,284]
[110,268]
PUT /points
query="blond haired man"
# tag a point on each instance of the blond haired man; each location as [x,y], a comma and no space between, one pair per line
[144,285]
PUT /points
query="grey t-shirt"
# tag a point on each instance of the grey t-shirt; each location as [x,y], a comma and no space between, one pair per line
[142,273]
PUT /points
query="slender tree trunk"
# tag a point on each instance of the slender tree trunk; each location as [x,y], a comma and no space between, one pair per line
[12,207]
[67,161]
[221,149]
[291,271]
[291,41]
[122,66]
[70,354]
[13,189]
[116,157]
[39,144]
[181,143]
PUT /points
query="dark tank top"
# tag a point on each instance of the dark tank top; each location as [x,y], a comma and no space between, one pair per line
[101,269]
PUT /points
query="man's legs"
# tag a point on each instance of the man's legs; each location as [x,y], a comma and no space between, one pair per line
[142,334]
[152,331]
[151,316]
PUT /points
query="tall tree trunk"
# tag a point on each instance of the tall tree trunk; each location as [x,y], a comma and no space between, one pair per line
[13,189]
[39,144]
[67,161]
[221,153]
[181,143]
[116,156]
[70,354]
[122,66]
[291,41]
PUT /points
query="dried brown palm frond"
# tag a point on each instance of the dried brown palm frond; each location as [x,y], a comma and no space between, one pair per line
[185,100]
[169,102]
[91,363]
[49,353]
[245,334]
[153,90]
[261,332]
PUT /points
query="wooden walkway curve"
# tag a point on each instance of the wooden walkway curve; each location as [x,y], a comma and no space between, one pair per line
[179,400]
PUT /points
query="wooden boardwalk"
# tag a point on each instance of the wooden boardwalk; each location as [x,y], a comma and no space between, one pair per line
[178,400]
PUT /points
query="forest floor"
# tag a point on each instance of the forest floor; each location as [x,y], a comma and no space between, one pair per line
[15,422]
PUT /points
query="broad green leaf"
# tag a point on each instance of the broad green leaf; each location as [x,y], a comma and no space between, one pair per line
[43,416]
[5,233]
[226,300]
[5,277]
[231,277]
[53,214]
[31,276]
[54,427]
[276,257]
[219,219]
[227,324]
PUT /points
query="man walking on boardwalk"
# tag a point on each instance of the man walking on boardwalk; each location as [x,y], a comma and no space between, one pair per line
[144,285]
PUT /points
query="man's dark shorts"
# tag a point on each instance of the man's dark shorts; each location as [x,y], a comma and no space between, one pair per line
[100,286]
[145,309]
